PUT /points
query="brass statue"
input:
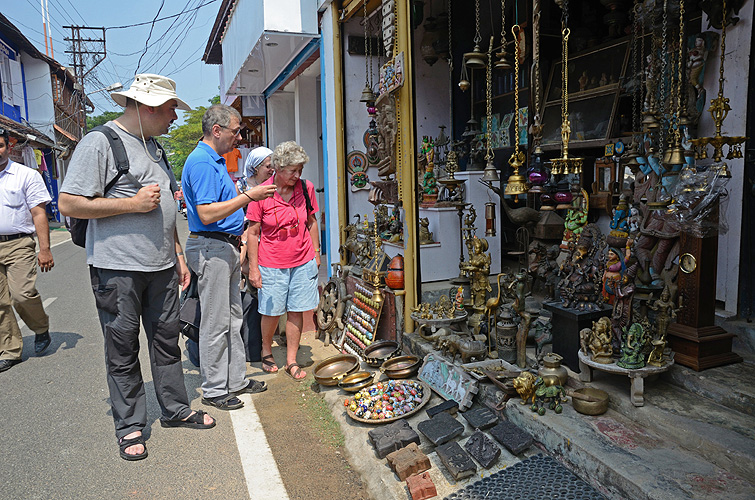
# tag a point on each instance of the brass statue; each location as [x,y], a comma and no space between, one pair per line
[665,310]
[425,236]
[478,267]
[516,288]
[596,341]
[632,348]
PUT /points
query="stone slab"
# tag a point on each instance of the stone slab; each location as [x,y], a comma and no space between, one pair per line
[450,407]
[448,380]
[512,437]
[480,417]
[441,428]
[457,461]
[392,437]
[482,449]
[407,461]
[421,486]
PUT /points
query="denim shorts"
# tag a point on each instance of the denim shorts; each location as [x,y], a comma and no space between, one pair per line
[288,290]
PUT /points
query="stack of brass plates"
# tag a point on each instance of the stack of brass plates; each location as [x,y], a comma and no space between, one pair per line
[331,370]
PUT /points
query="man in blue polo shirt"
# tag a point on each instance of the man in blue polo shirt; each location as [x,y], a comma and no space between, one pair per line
[216,221]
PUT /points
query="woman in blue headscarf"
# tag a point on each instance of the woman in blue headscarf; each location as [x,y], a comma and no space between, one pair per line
[257,168]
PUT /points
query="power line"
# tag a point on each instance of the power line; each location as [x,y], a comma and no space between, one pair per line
[161,19]
[149,36]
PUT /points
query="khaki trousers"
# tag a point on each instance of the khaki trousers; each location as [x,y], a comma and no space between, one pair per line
[18,277]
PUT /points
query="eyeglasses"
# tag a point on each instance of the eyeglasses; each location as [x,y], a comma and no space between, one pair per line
[234,131]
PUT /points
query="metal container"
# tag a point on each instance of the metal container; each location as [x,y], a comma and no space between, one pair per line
[356,381]
[401,367]
[379,352]
[506,336]
[552,368]
[591,407]
[331,370]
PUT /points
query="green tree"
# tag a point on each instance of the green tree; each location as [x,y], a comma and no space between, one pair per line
[96,121]
[182,139]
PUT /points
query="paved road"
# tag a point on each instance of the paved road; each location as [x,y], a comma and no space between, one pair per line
[57,439]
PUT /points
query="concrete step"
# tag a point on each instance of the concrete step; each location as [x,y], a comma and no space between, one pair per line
[732,385]
[713,432]
[624,460]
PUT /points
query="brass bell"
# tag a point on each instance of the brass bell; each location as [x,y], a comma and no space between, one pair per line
[674,156]
[464,85]
[503,62]
[367,95]
[475,59]
[490,174]
[650,122]
[723,171]
[515,185]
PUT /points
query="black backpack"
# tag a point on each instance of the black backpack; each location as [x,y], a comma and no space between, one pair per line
[78,227]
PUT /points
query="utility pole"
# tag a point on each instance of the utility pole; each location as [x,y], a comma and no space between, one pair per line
[86,53]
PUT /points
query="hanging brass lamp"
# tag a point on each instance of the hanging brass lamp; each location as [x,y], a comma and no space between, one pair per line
[476,58]
[516,183]
[490,174]
[503,61]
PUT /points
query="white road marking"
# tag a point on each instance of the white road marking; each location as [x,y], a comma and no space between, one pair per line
[60,242]
[263,479]
[45,303]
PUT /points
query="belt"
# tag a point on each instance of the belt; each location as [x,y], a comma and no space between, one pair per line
[8,237]
[217,235]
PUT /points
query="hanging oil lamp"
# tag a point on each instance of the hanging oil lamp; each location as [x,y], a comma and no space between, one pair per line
[503,61]
[565,164]
[537,174]
[629,158]
[464,78]
[563,195]
[476,58]
[367,97]
[516,184]
[719,108]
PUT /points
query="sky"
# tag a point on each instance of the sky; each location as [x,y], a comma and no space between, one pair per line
[174,47]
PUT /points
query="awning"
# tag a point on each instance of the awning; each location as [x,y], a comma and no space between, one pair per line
[23,133]
[65,133]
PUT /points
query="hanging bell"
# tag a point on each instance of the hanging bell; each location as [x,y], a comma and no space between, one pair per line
[650,122]
[368,96]
[629,158]
[464,85]
[503,61]
[475,59]
[490,174]
[722,170]
[674,156]
[515,185]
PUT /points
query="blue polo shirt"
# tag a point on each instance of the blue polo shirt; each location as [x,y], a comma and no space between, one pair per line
[206,180]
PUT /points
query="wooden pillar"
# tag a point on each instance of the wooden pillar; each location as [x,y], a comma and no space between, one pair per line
[342,175]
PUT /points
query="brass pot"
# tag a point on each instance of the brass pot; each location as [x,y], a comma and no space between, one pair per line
[401,367]
[379,352]
[552,368]
[356,381]
[591,407]
[331,370]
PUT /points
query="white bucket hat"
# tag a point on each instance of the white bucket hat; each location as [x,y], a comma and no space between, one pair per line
[150,90]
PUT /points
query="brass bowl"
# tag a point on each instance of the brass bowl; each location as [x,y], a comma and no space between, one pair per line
[331,370]
[356,381]
[401,366]
[591,407]
[378,352]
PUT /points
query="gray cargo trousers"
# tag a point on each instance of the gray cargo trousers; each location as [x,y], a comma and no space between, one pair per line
[122,297]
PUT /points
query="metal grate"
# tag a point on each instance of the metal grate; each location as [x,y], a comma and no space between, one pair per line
[536,478]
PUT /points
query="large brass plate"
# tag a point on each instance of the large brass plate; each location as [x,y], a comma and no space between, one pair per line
[426,395]
[401,366]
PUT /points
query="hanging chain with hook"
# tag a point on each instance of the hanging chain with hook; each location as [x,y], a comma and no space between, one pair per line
[489,102]
[477,37]
[679,76]
[517,157]
[636,67]
[503,26]
[536,74]
[664,74]
[367,68]
[450,51]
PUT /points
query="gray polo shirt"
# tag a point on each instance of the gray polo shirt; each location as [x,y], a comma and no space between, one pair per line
[133,241]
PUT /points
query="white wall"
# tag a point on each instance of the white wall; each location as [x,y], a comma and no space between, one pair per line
[308,127]
[431,96]
[38,95]
[280,118]
[736,74]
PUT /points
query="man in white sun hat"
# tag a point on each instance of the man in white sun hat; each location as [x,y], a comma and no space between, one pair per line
[135,259]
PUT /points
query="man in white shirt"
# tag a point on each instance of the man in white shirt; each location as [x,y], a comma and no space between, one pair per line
[23,197]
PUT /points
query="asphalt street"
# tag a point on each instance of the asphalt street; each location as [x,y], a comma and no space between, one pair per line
[57,438]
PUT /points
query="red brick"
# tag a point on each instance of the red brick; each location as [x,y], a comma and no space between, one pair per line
[421,486]
[407,461]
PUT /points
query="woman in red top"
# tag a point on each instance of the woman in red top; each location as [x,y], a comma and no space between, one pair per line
[283,248]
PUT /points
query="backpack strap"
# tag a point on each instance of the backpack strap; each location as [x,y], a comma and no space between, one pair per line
[166,165]
[119,154]
[310,208]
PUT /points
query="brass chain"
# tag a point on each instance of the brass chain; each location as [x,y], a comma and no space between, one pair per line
[536,63]
[477,37]
[679,76]
[489,102]
[515,32]
[450,52]
[723,51]
[366,54]
[664,71]
[399,151]
[636,66]
[565,91]
[503,25]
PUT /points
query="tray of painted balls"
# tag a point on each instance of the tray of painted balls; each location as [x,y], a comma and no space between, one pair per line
[388,401]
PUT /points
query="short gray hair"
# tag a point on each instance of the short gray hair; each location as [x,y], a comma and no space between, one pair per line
[218,114]
[288,153]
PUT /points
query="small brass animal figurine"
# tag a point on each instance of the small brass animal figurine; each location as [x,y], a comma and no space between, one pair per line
[524,385]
